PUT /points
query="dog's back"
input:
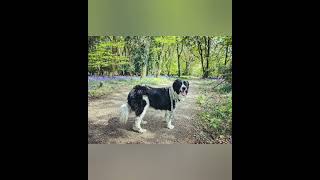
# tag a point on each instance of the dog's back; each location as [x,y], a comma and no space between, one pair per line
[158,97]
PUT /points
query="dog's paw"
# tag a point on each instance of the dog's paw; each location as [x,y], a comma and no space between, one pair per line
[170,126]
[144,122]
[140,130]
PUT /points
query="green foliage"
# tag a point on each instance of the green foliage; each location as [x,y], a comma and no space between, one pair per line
[189,77]
[157,55]
[201,100]
[216,105]
[105,56]
[224,88]
[139,53]
[154,81]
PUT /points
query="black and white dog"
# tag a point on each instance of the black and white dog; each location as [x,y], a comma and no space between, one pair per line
[141,98]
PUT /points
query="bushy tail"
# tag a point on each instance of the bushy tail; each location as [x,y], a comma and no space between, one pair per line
[124,113]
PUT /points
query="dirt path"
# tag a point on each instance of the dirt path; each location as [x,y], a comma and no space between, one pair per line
[104,126]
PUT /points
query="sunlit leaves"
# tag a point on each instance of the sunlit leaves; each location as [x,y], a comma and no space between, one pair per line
[127,54]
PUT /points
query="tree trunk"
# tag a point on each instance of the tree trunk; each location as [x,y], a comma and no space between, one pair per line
[159,62]
[179,67]
[179,55]
[169,62]
[208,57]
[144,71]
[225,60]
[169,68]
[114,52]
[178,59]
[188,65]
[186,70]
[159,66]
[201,57]
[145,55]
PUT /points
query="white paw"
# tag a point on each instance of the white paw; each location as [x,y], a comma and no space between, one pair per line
[144,122]
[140,130]
[170,126]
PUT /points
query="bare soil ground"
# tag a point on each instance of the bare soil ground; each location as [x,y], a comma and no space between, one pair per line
[104,126]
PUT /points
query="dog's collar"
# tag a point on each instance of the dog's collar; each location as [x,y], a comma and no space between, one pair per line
[173,97]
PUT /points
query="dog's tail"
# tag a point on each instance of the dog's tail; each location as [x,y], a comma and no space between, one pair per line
[124,113]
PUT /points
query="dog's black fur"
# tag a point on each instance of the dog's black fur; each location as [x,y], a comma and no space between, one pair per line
[159,98]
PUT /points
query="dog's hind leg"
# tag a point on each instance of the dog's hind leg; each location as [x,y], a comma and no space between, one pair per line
[140,116]
[137,125]
[169,117]
[145,109]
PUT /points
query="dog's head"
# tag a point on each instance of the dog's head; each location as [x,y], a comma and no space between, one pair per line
[181,87]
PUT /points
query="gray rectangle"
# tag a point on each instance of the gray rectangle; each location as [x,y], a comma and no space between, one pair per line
[159,162]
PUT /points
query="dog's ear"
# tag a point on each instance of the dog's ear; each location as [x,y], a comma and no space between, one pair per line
[176,85]
[187,82]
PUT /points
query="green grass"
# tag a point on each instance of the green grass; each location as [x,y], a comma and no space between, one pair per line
[154,81]
[216,106]
[189,77]
[113,85]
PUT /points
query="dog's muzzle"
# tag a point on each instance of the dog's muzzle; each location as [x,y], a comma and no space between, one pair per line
[184,91]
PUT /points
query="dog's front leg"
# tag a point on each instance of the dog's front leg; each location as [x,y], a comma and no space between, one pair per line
[169,117]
